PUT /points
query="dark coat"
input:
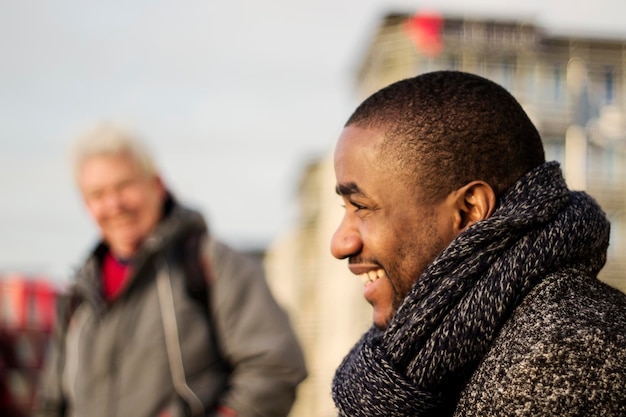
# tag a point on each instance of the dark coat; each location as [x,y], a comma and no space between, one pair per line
[562,353]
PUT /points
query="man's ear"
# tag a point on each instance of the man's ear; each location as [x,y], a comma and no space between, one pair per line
[160,184]
[474,201]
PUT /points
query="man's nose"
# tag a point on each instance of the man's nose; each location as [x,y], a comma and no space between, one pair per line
[346,241]
[113,202]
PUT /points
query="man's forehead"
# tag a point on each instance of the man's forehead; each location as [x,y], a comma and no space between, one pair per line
[360,135]
[357,143]
[104,169]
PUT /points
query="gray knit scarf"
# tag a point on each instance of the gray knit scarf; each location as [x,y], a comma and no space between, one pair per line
[418,365]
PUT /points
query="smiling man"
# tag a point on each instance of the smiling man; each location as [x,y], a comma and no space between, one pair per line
[165,320]
[479,263]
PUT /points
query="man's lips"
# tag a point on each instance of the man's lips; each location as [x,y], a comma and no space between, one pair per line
[368,273]
[361,268]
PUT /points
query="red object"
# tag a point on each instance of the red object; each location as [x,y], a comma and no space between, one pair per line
[424,29]
[114,274]
[27,303]
[27,314]
[223,411]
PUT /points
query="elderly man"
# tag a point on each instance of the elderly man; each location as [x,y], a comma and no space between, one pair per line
[163,320]
[479,263]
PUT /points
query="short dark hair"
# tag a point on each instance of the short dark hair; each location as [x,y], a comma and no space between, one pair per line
[448,128]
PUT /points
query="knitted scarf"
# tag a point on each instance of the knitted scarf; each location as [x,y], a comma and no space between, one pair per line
[418,365]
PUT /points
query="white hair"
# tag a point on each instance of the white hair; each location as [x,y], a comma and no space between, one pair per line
[106,139]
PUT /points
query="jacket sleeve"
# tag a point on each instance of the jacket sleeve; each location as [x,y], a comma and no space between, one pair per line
[49,400]
[255,337]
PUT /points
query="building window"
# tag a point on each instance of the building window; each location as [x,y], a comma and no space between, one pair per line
[453,62]
[558,84]
[609,85]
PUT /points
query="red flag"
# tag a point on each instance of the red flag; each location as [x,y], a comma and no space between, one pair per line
[424,29]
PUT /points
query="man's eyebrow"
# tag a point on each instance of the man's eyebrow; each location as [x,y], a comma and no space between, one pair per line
[348,189]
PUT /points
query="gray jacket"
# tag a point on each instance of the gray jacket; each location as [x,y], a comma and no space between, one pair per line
[135,357]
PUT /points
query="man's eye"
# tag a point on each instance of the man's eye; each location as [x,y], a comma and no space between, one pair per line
[95,195]
[357,206]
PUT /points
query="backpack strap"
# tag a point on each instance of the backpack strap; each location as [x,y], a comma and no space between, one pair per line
[172,343]
[199,275]
[194,255]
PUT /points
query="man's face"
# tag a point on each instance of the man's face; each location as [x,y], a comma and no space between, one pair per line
[388,235]
[124,202]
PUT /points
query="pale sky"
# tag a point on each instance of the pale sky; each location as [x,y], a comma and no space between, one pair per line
[234,97]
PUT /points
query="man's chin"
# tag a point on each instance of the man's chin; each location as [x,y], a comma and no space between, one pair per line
[124,248]
[381,320]
[380,326]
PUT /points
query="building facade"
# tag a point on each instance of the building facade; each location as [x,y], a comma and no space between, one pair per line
[573,88]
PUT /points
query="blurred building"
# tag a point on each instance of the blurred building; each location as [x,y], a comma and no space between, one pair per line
[321,296]
[573,88]
[27,314]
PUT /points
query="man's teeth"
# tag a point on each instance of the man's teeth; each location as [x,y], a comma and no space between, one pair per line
[371,276]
